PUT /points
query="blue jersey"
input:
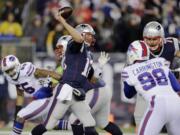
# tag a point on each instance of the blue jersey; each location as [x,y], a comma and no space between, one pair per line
[76,64]
[168,50]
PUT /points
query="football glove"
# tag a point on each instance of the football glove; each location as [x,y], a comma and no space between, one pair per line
[44,92]
[47,82]
[103,59]
[79,94]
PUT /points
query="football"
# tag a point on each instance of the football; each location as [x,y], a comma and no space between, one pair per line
[65,12]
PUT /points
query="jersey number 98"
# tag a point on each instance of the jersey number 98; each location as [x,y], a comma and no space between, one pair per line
[150,80]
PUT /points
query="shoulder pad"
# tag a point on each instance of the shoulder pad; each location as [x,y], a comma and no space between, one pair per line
[27,69]
[174,42]
[171,40]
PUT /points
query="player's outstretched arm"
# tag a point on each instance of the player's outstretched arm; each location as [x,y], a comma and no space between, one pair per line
[19,101]
[46,73]
[72,31]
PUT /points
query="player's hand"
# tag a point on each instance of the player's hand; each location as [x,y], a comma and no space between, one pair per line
[47,82]
[103,59]
[57,14]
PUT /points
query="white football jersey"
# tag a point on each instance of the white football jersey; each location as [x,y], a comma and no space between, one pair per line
[149,78]
[26,80]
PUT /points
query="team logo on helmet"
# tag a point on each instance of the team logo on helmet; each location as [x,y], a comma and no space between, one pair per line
[12,58]
[131,48]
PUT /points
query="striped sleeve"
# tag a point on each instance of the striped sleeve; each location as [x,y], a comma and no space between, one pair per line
[28,69]
[124,75]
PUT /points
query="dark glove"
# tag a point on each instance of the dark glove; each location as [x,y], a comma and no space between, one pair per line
[79,94]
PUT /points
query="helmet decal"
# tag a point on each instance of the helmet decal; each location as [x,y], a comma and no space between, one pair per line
[144,47]
[137,51]
[12,58]
[158,27]
[132,48]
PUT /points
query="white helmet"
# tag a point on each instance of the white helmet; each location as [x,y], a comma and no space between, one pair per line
[10,65]
[88,32]
[85,28]
[61,45]
[153,35]
[137,51]
[153,29]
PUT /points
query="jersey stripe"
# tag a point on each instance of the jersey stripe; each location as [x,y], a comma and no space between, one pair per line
[144,53]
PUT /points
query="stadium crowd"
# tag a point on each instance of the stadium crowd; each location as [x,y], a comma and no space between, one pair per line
[117,22]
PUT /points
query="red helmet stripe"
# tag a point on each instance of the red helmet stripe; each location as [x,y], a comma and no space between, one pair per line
[144,53]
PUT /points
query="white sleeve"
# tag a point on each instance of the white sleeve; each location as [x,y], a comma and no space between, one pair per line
[176,44]
[28,69]
[166,63]
[98,72]
[126,77]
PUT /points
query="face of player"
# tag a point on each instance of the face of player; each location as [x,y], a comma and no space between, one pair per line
[89,39]
[154,43]
[11,72]
[59,51]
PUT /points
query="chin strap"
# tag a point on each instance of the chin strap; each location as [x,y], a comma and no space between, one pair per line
[157,51]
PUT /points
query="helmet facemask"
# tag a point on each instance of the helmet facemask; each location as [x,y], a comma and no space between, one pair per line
[59,51]
[154,43]
[10,66]
[13,72]
[153,35]
[89,39]
[61,46]
[88,33]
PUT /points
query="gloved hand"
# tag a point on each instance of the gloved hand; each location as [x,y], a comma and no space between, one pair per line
[47,82]
[44,92]
[79,94]
[103,59]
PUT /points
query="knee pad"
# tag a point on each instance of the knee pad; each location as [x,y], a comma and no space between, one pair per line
[113,129]
[90,131]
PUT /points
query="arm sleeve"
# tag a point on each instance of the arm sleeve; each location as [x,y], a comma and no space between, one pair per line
[90,74]
[129,91]
[174,82]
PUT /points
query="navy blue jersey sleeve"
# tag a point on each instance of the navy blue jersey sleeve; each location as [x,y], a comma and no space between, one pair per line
[129,91]
[174,82]
[74,47]
[91,73]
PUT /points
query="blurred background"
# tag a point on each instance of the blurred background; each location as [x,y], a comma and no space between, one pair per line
[29,31]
